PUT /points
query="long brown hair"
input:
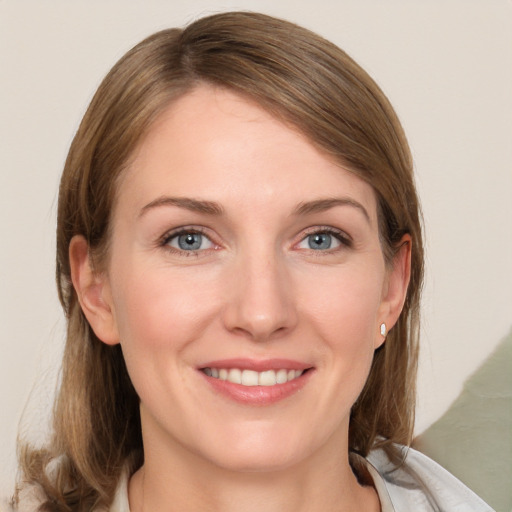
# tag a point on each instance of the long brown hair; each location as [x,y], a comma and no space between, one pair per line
[303,80]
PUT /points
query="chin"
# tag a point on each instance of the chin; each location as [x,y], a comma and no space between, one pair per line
[258,462]
[269,450]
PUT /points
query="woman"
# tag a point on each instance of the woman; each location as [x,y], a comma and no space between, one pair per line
[239,257]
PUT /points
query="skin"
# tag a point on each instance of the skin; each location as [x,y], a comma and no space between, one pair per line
[255,289]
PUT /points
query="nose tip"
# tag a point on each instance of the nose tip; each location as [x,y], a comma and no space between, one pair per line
[261,326]
[261,306]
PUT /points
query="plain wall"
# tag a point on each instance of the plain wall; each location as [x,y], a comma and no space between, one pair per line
[446,66]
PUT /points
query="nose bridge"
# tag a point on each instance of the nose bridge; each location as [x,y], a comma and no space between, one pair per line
[261,304]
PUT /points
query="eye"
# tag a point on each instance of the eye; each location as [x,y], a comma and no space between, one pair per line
[324,240]
[320,242]
[189,241]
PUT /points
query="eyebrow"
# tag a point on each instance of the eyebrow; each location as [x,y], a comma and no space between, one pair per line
[213,208]
[194,205]
[321,205]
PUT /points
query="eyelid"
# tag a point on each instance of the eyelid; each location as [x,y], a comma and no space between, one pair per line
[343,235]
[182,230]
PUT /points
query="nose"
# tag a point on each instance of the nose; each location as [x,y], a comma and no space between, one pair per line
[261,304]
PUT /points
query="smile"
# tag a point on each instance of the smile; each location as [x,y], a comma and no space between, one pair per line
[251,377]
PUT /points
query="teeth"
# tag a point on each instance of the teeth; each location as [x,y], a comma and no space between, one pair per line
[267,378]
[281,376]
[252,378]
[235,376]
[249,378]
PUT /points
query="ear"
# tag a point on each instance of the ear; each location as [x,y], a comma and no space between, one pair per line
[93,291]
[395,288]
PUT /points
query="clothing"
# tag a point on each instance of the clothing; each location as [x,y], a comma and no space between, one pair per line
[419,485]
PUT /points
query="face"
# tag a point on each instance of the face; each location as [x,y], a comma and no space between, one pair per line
[246,285]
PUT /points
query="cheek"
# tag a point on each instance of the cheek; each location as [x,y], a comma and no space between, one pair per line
[159,316]
[345,314]
[162,308]
[345,303]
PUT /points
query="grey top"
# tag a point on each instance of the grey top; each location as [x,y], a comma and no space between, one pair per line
[419,485]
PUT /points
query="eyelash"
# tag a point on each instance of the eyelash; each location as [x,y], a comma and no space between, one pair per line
[339,235]
[165,240]
[342,237]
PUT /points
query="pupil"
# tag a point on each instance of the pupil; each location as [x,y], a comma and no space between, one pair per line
[320,241]
[191,241]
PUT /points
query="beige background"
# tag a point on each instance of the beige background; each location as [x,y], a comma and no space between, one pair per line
[446,66]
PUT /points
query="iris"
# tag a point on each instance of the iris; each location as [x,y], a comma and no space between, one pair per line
[320,241]
[190,241]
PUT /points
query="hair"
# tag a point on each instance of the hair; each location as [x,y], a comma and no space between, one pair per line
[301,79]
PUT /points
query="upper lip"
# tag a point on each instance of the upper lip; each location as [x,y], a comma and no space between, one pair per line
[257,365]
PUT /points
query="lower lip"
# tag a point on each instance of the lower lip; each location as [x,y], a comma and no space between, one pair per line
[258,395]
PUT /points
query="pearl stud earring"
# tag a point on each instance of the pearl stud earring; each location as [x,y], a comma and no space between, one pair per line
[383,329]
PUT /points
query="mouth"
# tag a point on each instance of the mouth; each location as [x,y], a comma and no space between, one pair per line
[254,382]
[251,378]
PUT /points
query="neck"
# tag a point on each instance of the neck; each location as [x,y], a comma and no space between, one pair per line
[184,482]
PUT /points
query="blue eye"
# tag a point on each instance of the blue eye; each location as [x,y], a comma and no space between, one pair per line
[323,241]
[320,241]
[189,241]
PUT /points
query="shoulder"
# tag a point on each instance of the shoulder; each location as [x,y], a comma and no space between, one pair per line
[422,485]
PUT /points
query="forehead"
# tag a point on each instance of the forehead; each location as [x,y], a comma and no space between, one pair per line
[217,145]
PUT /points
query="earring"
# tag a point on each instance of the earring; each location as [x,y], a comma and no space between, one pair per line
[383,329]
